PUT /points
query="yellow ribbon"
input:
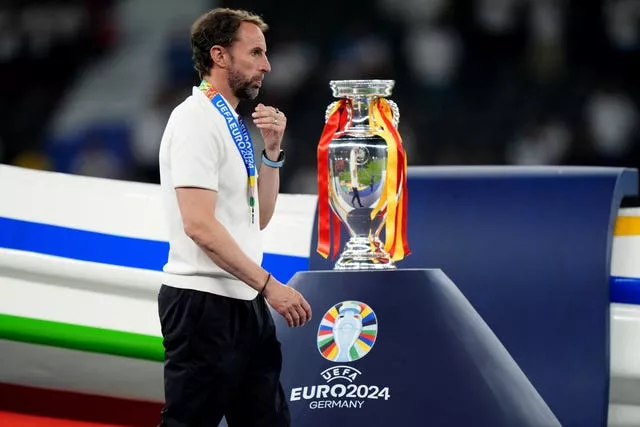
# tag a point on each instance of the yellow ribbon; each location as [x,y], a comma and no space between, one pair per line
[394,230]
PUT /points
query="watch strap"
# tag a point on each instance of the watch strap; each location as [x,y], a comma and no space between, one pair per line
[274,164]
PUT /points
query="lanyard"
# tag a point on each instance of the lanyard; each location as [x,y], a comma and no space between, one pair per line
[239,134]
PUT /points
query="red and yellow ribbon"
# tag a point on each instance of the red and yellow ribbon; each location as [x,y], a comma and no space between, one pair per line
[394,190]
[338,117]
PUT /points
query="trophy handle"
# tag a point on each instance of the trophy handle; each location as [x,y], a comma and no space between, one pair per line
[396,112]
[394,109]
[329,108]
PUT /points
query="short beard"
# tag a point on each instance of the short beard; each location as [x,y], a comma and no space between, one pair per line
[242,88]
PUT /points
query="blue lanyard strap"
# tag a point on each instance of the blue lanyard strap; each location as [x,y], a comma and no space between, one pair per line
[240,135]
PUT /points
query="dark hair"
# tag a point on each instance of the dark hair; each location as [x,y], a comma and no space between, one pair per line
[217,27]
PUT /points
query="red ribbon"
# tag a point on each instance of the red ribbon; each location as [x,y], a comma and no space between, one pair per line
[326,217]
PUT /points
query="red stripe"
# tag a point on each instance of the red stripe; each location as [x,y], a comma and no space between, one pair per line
[21,420]
[77,406]
[329,349]
[368,336]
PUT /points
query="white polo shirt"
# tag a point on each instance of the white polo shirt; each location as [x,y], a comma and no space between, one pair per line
[197,150]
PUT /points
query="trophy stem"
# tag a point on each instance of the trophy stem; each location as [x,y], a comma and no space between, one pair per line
[360,254]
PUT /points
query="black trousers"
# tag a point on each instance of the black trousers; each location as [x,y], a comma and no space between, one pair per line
[222,358]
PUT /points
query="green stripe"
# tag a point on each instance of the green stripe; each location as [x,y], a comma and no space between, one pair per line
[354,353]
[84,338]
[325,341]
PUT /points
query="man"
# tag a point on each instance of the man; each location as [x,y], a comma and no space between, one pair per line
[222,354]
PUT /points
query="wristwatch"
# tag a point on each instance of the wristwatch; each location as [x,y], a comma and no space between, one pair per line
[274,164]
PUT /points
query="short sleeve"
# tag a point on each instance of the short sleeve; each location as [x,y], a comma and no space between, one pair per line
[194,155]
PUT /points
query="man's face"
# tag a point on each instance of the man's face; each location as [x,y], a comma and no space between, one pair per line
[249,61]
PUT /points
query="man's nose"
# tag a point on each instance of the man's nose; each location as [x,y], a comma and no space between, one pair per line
[266,66]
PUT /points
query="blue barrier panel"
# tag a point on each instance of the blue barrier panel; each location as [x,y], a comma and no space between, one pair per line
[530,248]
[83,245]
[419,355]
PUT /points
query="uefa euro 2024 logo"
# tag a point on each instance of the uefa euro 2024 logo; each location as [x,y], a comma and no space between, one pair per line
[347,332]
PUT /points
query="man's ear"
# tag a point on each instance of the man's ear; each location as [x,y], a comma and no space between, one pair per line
[219,56]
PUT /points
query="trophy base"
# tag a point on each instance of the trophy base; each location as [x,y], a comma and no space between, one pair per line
[359,255]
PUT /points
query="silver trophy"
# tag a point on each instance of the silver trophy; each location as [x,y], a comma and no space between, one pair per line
[357,173]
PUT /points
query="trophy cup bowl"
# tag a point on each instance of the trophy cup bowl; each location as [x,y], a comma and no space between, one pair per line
[357,173]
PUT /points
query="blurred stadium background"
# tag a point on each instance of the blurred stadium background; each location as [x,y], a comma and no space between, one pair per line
[87,85]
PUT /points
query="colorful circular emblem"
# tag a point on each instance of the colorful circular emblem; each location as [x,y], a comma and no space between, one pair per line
[347,332]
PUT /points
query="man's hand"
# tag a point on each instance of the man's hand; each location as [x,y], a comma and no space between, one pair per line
[272,123]
[288,302]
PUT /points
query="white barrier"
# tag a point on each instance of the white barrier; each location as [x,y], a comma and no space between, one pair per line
[55,273]
[70,289]
[624,410]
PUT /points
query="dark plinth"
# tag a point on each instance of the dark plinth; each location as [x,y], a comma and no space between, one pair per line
[530,247]
[433,360]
